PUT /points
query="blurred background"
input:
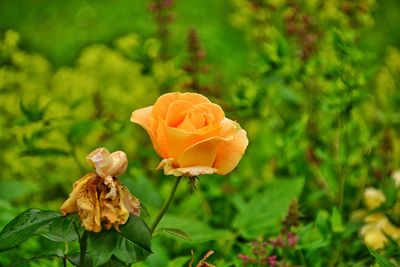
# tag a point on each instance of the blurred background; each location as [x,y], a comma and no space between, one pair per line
[314,83]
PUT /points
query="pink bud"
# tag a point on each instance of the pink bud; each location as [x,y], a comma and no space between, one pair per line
[272,260]
[292,239]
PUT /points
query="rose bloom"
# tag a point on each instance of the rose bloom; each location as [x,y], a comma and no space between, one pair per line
[192,135]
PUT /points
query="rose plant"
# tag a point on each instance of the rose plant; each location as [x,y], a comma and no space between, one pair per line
[108,226]
[192,136]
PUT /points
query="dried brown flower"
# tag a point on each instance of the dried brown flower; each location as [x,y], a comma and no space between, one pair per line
[99,197]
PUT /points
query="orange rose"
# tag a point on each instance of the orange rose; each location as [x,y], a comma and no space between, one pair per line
[192,135]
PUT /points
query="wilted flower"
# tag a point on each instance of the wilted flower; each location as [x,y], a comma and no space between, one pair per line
[99,197]
[192,135]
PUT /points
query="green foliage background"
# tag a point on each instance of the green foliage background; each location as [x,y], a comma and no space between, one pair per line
[315,84]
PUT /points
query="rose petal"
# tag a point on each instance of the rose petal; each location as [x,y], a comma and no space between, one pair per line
[214,109]
[187,125]
[142,117]
[202,153]
[101,160]
[230,152]
[83,200]
[167,164]
[107,164]
[131,203]
[163,102]
[89,206]
[120,164]
[198,119]
[112,213]
[174,141]
[69,206]
[177,112]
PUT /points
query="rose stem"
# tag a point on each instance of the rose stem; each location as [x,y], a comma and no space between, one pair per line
[165,205]
[83,245]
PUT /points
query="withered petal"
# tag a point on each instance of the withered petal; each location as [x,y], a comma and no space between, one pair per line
[69,206]
[88,206]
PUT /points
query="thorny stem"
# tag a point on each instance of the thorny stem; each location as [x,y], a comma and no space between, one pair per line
[83,245]
[165,205]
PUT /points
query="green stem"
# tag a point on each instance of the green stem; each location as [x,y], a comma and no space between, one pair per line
[83,245]
[76,160]
[166,204]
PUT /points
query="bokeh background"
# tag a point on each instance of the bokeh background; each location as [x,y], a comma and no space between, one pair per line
[315,84]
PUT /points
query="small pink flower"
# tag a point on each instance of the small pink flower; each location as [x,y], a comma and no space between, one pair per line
[243,257]
[246,259]
[292,239]
[272,260]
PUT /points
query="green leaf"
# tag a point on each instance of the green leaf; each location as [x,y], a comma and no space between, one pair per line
[101,246]
[62,229]
[33,111]
[336,221]
[322,223]
[179,261]
[24,226]
[114,263]
[51,254]
[124,249]
[264,212]
[144,212]
[381,260]
[131,244]
[136,231]
[74,259]
[36,135]
[176,232]
[311,238]
[199,231]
